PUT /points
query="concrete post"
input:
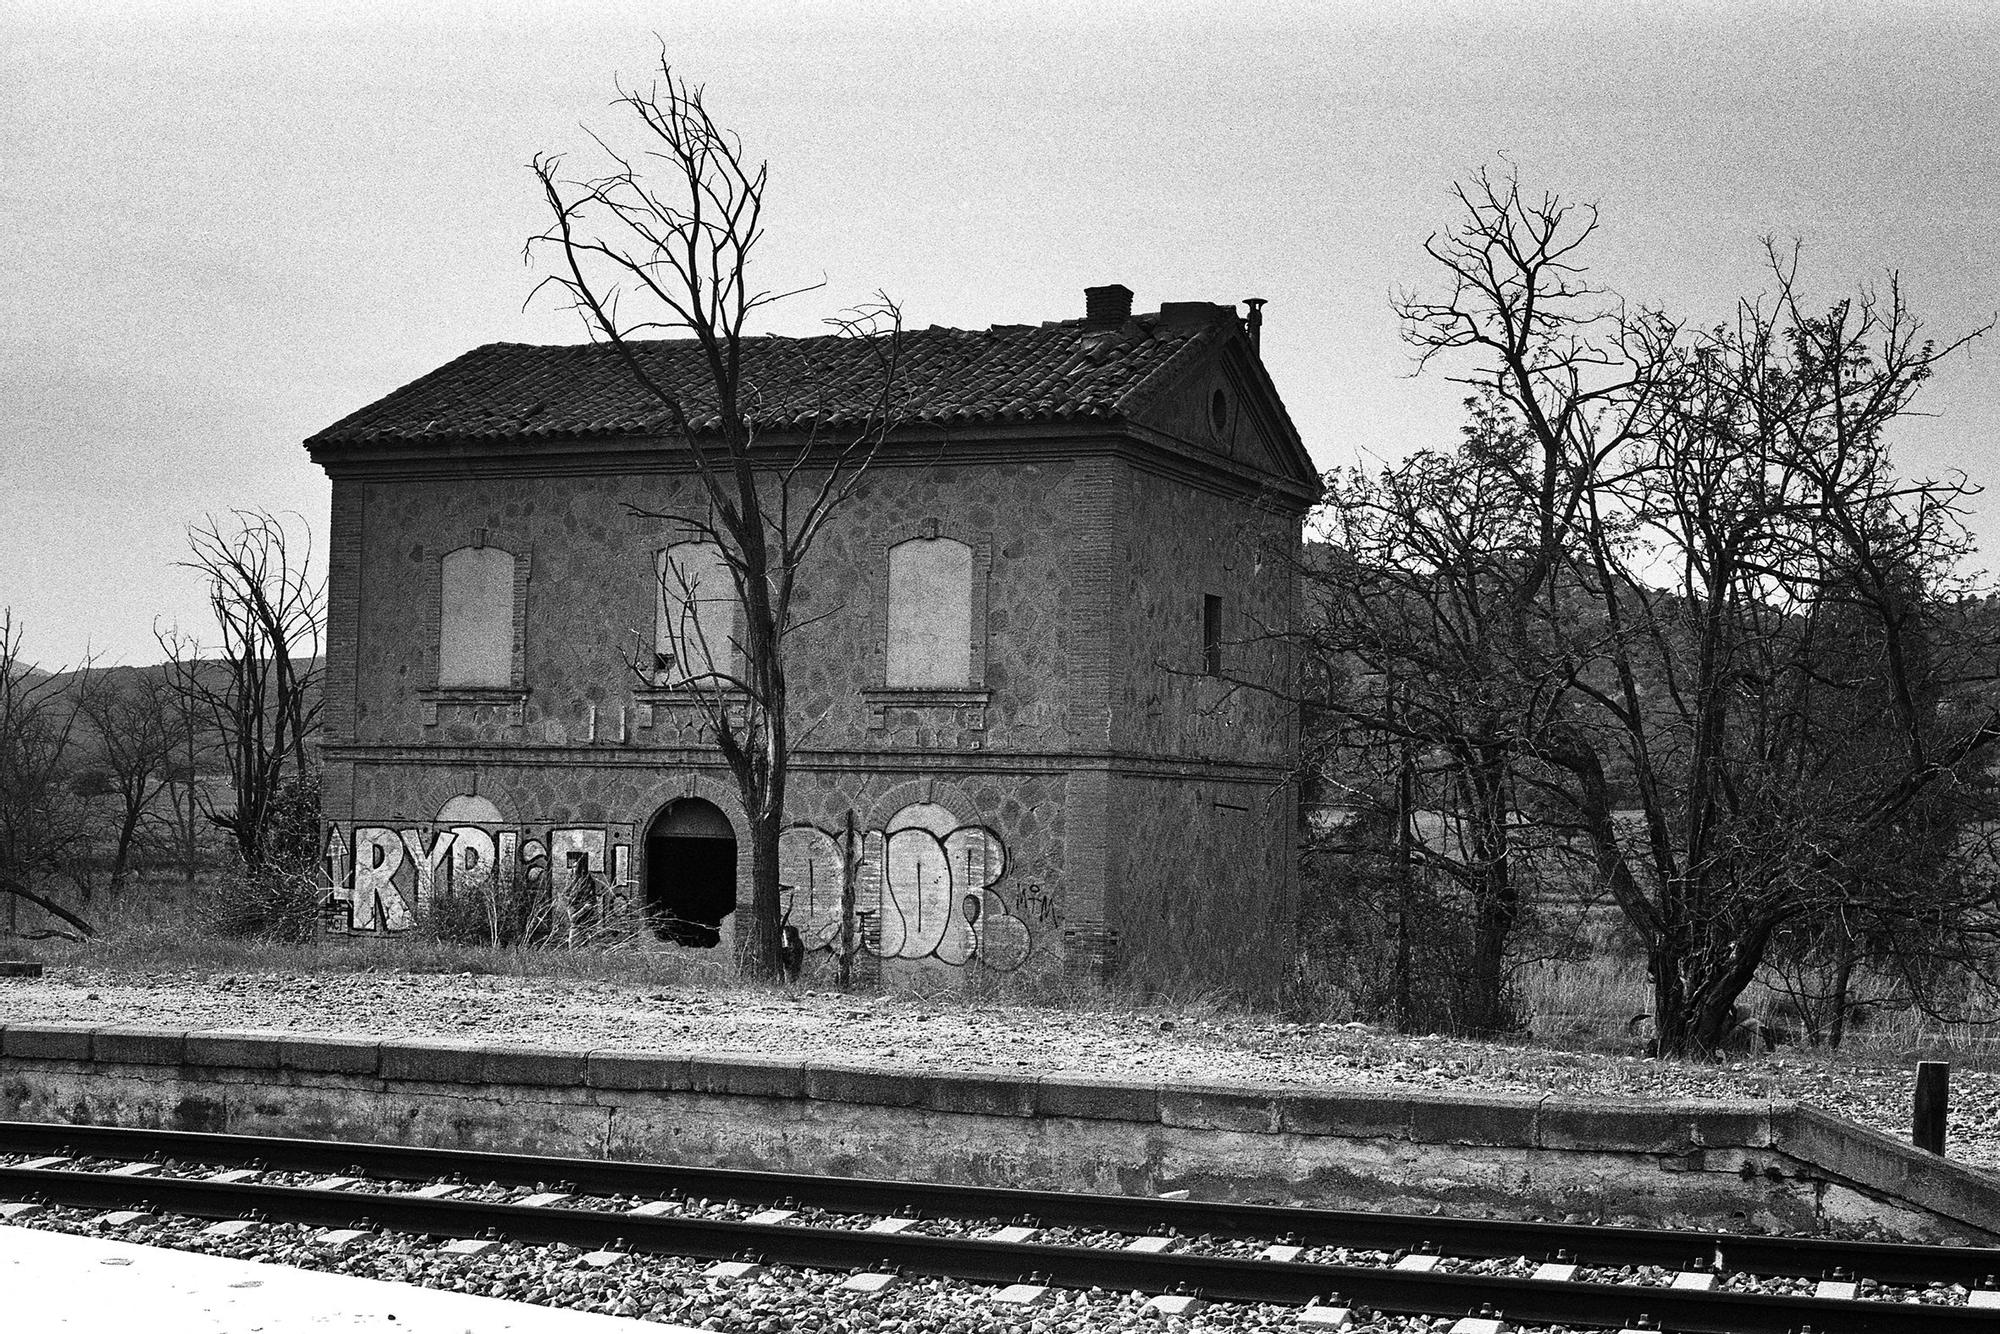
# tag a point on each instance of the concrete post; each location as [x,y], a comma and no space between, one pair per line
[1933,1098]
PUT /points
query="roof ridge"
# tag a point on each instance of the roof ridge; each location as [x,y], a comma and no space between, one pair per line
[1061,370]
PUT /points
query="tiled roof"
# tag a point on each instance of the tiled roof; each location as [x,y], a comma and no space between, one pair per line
[1010,373]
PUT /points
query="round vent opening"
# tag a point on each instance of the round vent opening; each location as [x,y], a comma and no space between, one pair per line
[1218,410]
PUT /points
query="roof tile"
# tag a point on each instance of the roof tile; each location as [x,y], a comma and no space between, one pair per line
[1013,373]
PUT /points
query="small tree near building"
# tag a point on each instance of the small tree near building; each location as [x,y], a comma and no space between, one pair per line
[44,828]
[135,717]
[256,690]
[182,834]
[661,243]
[1419,596]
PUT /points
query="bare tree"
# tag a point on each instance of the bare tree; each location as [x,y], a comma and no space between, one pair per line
[662,242]
[135,720]
[43,828]
[1708,506]
[1786,581]
[258,687]
[1421,598]
[179,832]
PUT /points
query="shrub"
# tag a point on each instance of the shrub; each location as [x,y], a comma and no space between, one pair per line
[461,913]
[291,828]
[510,910]
[281,901]
[1383,948]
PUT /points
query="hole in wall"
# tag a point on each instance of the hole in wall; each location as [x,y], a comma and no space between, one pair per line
[690,872]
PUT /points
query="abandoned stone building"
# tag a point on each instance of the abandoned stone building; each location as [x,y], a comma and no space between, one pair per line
[1039,668]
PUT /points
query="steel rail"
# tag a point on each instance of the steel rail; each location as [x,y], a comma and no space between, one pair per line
[1217,1278]
[1793,1257]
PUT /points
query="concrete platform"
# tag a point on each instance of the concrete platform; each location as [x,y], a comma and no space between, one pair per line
[90,1285]
[1777,1164]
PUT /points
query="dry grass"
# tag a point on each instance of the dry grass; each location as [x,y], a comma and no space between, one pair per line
[168,950]
[1582,1005]
[1589,1005]
[152,929]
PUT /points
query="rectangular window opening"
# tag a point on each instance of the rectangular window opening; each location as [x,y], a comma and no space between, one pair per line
[1211,635]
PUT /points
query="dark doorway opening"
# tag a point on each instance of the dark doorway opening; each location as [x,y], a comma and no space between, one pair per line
[690,872]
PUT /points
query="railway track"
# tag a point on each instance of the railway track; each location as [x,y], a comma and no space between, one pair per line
[1192,1251]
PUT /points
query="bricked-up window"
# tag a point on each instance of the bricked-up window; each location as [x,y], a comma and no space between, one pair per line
[694,615]
[930,614]
[476,619]
[1211,634]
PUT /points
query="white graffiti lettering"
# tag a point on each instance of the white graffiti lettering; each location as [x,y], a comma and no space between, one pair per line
[928,879]
[383,879]
[426,860]
[374,902]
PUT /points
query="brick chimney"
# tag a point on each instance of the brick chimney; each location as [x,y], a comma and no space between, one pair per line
[1106,307]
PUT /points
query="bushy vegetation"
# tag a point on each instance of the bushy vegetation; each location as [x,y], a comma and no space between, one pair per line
[203,764]
[282,902]
[1670,613]
[1383,941]
[284,897]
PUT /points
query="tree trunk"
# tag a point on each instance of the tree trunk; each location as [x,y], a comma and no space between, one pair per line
[1669,1011]
[850,874]
[1694,1016]
[1496,897]
[1493,925]
[123,854]
[1843,976]
[1405,802]
[757,934]
[15,893]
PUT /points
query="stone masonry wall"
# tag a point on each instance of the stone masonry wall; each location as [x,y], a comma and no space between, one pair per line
[588,752]
[1695,1164]
[1081,567]
[1201,885]
[1184,544]
[976,883]
[1205,884]
[591,590]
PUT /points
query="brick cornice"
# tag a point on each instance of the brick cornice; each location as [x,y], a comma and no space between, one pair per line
[979,444]
[1119,765]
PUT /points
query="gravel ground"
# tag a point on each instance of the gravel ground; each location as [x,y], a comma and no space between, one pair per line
[779,1298]
[674,1290]
[949,1033]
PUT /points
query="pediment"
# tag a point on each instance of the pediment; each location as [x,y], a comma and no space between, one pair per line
[1222,404]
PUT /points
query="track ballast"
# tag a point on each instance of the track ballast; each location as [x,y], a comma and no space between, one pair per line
[1215,1252]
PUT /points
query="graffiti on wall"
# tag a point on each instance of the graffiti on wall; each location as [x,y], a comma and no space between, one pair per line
[1038,905]
[926,885]
[382,879]
[929,883]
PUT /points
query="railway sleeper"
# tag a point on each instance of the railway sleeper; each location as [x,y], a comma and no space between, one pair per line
[1403,1291]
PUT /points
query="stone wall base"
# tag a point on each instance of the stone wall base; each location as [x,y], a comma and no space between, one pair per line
[1771,1165]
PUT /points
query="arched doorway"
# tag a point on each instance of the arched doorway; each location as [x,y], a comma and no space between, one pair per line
[690,872]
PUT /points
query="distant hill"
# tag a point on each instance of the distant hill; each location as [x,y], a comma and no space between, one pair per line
[158,676]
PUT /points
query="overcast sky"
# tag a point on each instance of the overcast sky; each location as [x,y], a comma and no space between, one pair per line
[229,225]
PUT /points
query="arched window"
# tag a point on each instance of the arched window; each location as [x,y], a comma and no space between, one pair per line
[694,631]
[476,619]
[930,614]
